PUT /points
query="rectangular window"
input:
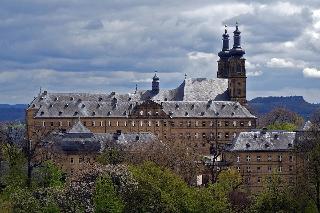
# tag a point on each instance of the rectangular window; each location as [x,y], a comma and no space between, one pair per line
[280,169]
[219,135]
[241,123]
[226,123]
[259,180]
[226,135]
[71,160]
[203,123]
[189,123]
[60,123]
[93,123]
[69,123]
[219,123]
[196,135]
[84,123]
[269,158]
[269,169]
[238,158]
[248,158]
[51,123]
[238,168]
[149,123]
[158,123]
[258,158]
[211,124]
[101,123]
[197,123]
[203,135]
[249,123]
[181,124]
[290,168]
[141,123]
[279,158]
[291,158]
[125,123]
[258,168]
[133,124]
[248,169]
[109,123]
[164,123]
[234,123]
[117,123]
[181,135]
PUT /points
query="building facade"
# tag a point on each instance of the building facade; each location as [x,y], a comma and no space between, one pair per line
[256,155]
[200,111]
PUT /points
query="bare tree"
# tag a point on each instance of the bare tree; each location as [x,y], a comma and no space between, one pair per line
[280,115]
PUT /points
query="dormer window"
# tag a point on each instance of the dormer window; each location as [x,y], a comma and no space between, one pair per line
[290,145]
[202,113]
[109,113]
[66,105]
[93,113]
[56,98]
[98,106]
[141,112]
[186,114]
[60,113]
[125,113]
[51,105]
[83,106]
[192,106]
[79,100]
[223,106]
[129,99]
[247,145]
[71,98]
[100,99]
[42,113]
[266,145]
[75,113]
[177,106]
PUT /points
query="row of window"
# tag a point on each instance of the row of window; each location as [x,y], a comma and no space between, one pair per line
[269,168]
[269,158]
[80,160]
[203,135]
[150,123]
[251,180]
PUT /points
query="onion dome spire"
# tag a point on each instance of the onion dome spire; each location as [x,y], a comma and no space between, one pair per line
[237,49]
[224,53]
[155,83]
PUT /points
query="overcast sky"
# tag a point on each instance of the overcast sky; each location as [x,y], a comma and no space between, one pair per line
[104,46]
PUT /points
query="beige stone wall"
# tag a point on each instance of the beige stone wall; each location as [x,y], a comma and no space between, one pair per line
[255,167]
[199,131]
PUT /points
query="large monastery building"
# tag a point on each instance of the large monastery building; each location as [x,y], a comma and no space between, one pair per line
[203,112]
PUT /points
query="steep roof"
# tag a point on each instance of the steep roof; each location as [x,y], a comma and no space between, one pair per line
[263,141]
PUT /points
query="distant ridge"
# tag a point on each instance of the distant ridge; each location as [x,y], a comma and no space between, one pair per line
[12,112]
[297,104]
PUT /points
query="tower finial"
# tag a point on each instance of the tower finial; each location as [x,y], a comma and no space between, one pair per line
[135,92]
[225,29]
[185,76]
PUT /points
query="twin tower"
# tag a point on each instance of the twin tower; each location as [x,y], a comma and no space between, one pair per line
[231,66]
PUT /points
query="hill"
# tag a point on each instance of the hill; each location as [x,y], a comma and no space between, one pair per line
[263,105]
[12,112]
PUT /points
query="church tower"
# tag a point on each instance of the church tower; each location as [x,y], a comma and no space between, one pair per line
[223,63]
[155,84]
[237,71]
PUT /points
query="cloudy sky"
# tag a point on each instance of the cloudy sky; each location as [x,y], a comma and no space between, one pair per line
[103,46]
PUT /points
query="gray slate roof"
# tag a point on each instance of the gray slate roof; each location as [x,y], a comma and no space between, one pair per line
[259,141]
[193,98]
[81,140]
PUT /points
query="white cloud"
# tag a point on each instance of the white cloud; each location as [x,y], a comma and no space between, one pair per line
[280,63]
[254,73]
[311,72]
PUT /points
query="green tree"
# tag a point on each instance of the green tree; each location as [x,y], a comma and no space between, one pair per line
[275,197]
[111,155]
[283,126]
[106,198]
[49,175]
